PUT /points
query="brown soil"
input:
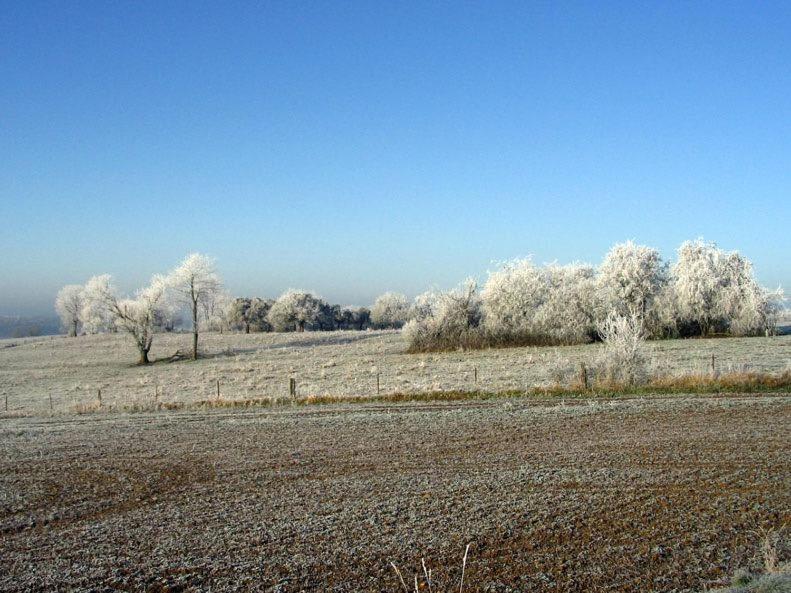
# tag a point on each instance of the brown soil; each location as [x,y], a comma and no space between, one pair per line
[655,494]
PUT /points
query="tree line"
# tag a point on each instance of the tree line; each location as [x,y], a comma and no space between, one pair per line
[705,291]
[192,296]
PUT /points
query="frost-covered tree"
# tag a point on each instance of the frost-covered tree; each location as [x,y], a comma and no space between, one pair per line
[215,311]
[196,285]
[706,290]
[136,316]
[293,310]
[451,321]
[746,306]
[250,314]
[716,291]
[697,283]
[68,304]
[571,306]
[351,318]
[526,303]
[326,320]
[512,297]
[256,314]
[424,305]
[238,314]
[631,278]
[96,317]
[357,318]
[390,310]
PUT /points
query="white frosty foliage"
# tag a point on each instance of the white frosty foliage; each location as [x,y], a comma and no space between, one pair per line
[707,290]
[390,310]
[196,285]
[447,319]
[136,316]
[68,305]
[631,277]
[293,310]
[623,359]
[523,302]
[97,318]
[716,291]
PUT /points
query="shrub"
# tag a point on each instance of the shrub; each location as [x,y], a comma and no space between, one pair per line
[623,360]
[452,320]
[390,310]
[527,304]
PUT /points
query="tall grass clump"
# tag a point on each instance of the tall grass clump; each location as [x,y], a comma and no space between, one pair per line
[775,576]
[425,582]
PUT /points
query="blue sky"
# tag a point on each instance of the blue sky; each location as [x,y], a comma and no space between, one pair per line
[356,147]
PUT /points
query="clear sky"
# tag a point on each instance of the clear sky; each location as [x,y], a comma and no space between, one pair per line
[351,148]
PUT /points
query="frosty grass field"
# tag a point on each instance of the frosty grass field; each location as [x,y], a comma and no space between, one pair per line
[323,363]
[650,493]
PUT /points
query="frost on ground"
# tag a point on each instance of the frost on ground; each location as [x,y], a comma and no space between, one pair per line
[72,370]
[657,494]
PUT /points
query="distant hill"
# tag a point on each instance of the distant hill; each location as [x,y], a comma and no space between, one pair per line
[20,327]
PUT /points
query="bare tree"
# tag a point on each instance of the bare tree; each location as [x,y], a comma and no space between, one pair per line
[196,285]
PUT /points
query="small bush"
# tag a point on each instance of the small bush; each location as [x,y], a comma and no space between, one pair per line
[623,360]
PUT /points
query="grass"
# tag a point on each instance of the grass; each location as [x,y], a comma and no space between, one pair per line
[254,367]
[690,384]
[428,584]
[774,578]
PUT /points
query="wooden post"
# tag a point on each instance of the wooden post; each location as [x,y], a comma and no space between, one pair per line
[292,387]
[377,383]
[584,376]
[218,389]
[713,369]
[475,374]
[50,402]
[99,397]
[6,402]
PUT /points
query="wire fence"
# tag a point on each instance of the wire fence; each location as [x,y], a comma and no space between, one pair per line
[227,388]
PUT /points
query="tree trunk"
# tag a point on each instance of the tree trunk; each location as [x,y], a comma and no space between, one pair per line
[247,328]
[143,356]
[73,330]
[194,330]
[300,326]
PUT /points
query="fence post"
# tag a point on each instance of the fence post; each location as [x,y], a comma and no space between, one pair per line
[50,402]
[377,383]
[292,387]
[584,376]
[713,369]
[218,389]
[99,397]
[6,402]
[475,374]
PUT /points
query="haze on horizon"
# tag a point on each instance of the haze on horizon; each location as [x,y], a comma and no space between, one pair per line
[357,148]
